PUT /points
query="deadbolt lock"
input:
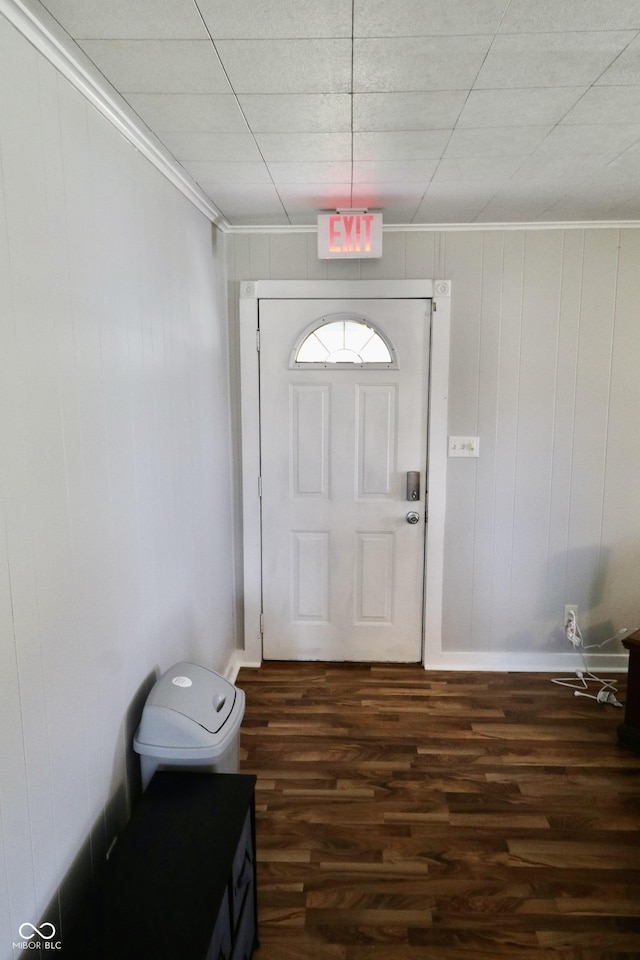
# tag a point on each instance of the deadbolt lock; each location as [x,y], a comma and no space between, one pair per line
[413,484]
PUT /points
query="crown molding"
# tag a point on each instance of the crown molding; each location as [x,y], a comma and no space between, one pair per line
[44,33]
[451,227]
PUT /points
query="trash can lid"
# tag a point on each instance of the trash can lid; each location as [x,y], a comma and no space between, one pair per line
[191,695]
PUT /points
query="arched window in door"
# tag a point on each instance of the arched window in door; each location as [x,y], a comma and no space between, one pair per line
[343,341]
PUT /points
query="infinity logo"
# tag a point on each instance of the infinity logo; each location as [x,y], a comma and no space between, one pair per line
[40,931]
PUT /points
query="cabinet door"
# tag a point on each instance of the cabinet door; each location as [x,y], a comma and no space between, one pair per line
[246,930]
[221,941]
[243,870]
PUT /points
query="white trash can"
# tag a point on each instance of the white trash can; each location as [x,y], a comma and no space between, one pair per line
[190,721]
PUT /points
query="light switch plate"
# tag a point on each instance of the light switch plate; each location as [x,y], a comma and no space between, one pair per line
[464,446]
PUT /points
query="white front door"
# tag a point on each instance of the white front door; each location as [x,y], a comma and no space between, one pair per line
[343,567]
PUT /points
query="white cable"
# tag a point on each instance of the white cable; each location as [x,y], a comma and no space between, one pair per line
[580,683]
[572,631]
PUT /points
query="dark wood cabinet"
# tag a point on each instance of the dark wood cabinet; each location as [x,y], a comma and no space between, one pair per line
[629,729]
[181,880]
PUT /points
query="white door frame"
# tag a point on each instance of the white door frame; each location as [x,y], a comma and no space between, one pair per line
[251,292]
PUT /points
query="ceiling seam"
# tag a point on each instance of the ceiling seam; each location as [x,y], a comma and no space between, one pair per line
[240,108]
[352,92]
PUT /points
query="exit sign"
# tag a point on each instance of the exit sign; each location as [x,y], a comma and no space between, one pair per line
[349,234]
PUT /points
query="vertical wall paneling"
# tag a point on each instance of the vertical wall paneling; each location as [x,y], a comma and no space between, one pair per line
[506,434]
[557,592]
[17,883]
[534,445]
[464,266]
[621,501]
[420,252]
[489,384]
[25,471]
[116,498]
[287,254]
[392,265]
[587,555]
[544,347]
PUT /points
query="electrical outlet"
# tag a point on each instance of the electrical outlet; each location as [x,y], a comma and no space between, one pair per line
[568,608]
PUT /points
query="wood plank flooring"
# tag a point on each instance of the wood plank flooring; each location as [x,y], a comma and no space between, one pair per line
[412,815]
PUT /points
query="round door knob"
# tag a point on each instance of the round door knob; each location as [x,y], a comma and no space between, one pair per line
[413,517]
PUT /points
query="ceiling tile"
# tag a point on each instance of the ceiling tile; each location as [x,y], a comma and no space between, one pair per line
[289,147]
[189,112]
[381,194]
[159,66]
[426,18]
[293,113]
[315,196]
[478,168]
[401,210]
[407,111]
[491,108]
[521,203]
[549,59]
[398,202]
[438,111]
[495,141]
[457,202]
[601,192]
[240,201]
[417,63]
[603,138]
[548,15]
[306,217]
[567,168]
[305,172]
[124,20]
[258,219]
[212,171]
[240,147]
[401,145]
[393,171]
[626,167]
[607,105]
[287,66]
[246,19]
[626,69]
[629,210]
[594,200]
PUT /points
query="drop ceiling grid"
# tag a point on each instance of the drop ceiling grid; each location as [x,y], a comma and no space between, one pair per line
[452,110]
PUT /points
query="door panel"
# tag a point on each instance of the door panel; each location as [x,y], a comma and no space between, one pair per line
[342,569]
[309,412]
[376,406]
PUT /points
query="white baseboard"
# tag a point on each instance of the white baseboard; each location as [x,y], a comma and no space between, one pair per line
[234,663]
[556,663]
[527,662]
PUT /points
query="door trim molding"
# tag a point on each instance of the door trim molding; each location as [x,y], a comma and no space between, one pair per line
[251,292]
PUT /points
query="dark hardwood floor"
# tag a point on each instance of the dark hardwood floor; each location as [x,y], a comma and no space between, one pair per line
[412,815]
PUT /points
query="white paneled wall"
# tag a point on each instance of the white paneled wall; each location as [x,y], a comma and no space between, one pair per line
[545,347]
[116,552]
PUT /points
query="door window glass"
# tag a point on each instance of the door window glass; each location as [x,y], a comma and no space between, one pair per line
[343,342]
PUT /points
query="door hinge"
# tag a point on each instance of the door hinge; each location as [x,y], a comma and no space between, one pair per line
[258,341]
[261,624]
[434,306]
[260,487]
